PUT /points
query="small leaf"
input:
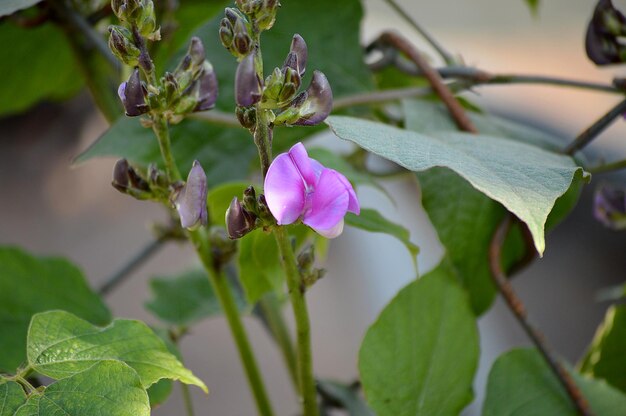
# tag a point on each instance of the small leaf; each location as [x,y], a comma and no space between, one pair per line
[27,74]
[260,270]
[29,285]
[344,397]
[420,355]
[11,6]
[219,199]
[185,299]
[521,383]
[606,357]
[12,396]
[525,179]
[61,345]
[371,220]
[105,388]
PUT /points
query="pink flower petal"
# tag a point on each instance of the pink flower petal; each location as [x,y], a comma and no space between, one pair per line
[302,161]
[284,190]
[328,203]
[332,232]
[353,205]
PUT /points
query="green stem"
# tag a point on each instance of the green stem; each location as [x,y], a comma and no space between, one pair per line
[229,307]
[272,314]
[187,399]
[298,303]
[609,167]
[161,129]
[263,139]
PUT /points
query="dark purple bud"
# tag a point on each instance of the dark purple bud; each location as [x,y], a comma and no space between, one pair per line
[318,103]
[207,88]
[136,181]
[122,45]
[120,175]
[604,33]
[610,206]
[247,84]
[231,15]
[239,221]
[196,51]
[242,43]
[132,95]
[246,116]
[226,33]
[190,200]
[298,46]
[291,61]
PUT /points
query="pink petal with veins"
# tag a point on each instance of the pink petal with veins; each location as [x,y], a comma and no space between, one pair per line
[328,203]
[302,161]
[353,205]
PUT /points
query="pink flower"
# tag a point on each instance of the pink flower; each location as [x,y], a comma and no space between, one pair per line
[297,186]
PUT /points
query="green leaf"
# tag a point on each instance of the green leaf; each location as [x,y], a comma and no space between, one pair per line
[345,397]
[29,285]
[218,200]
[11,6]
[521,383]
[225,153]
[12,396]
[105,388]
[159,392]
[41,68]
[533,5]
[420,356]
[371,220]
[525,179]
[606,356]
[185,299]
[61,345]
[260,270]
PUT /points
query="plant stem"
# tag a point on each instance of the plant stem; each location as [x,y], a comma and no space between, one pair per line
[229,307]
[517,307]
[298,302]
[187,399]
[126,270]
[161,130]
[609,167]
[587,136]
[263,139]
[445,55]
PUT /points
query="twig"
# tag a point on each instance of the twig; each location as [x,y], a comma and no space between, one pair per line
[518,309]
[587,136]
[380,97]
[445,55]
[137,260]
[454,107]
[609,167]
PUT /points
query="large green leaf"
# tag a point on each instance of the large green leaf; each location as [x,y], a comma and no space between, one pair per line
[371,220]
[606,357]
[11,6]
[219,198]
[525,179]
[184,299]
[38,66]
[109,388]
[29,285]
[420,356]
[61,345]
[260,270]
[12,396]
[521,383]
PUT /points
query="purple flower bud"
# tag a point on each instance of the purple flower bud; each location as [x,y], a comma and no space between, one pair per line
[239,221]
[120,175]
[603,40]
[298,46]
[318,103]
[196,51]
[122,45]
[190,200]
[207,88]
[247,84]
[297,186]
[132,94]
[610,206]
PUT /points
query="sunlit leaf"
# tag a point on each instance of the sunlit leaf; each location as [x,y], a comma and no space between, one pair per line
[12,396]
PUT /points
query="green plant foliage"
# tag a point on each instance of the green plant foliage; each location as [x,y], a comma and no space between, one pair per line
[61,344]
[105,388]
[29,76]
[420,355]
[185,299]
[371,220]
[345,397]
[218,200]
[606,357]
[29,285]
[159,392]
[12,396]
[521,383]
[259,265]
[11,6]
[533,5]
[527,180]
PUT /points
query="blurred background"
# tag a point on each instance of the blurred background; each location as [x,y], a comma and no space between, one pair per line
[51,208]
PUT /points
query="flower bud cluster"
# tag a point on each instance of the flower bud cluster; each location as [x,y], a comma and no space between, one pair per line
[138,14]
[262,12]
[153,185]
[235,33]
[244,216]
[279,91]
[603,41]
[306,261]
